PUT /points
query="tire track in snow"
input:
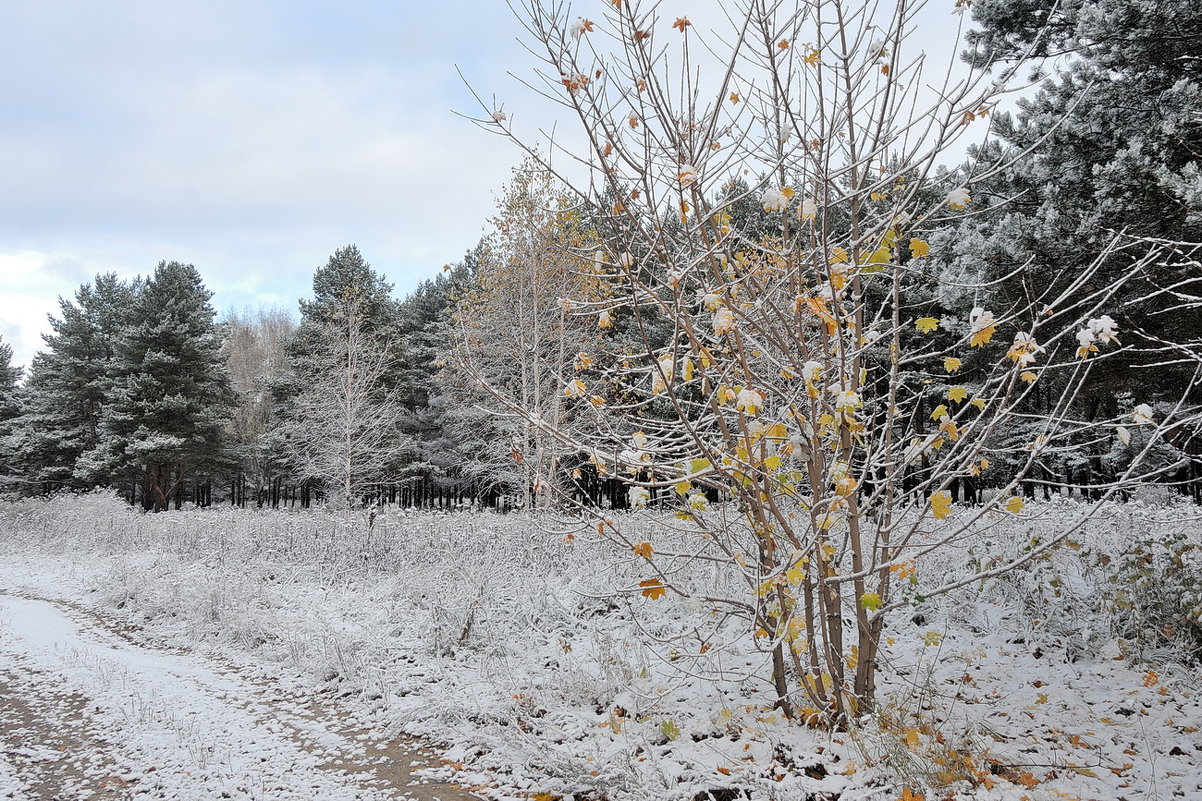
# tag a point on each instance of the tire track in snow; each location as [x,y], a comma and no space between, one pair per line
[99,717]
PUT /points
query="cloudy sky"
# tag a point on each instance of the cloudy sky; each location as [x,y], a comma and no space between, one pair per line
[251,138]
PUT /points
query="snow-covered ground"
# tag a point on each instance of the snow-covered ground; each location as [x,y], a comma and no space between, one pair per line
[506,644]
[92,715]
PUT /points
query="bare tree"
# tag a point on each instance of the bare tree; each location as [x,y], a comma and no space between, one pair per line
[345,424]
[766,195]
[515,336]
[255,351]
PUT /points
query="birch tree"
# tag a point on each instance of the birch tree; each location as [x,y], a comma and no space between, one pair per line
[515,334]
[345,426]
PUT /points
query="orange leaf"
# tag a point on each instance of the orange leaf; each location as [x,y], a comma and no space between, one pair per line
[734,97]
[653,589]
[681,23]
[641,35]
[783,44]
[980,338]
[643,549]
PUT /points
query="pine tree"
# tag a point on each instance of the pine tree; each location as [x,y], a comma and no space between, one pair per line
[171,398]
[1116,140]
[1100,166]
[70,384]
[10,408]
[346,286]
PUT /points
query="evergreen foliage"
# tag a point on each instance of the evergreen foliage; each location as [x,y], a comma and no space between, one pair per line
[170,402]
[10,408]
[70,384]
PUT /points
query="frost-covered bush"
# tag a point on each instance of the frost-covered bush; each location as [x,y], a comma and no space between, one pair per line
[1153,593]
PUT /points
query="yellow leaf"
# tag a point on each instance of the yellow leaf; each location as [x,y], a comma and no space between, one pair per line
[951,364]
[643,549]
[940,411]
[813,57]
[1028,376]
[926,324]
[683,487]
[978,402]
[941,505]
[1015,505]
[870,601]
[913,739]
[919,248]
[957,394]
[879,258]
[983,336]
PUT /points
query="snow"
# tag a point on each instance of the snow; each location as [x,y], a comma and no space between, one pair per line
[177,727]
[11,787]
[507,645]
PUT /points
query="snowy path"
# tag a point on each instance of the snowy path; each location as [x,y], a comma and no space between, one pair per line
[85,714]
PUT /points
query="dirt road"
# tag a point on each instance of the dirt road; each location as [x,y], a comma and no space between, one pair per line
[87,714]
